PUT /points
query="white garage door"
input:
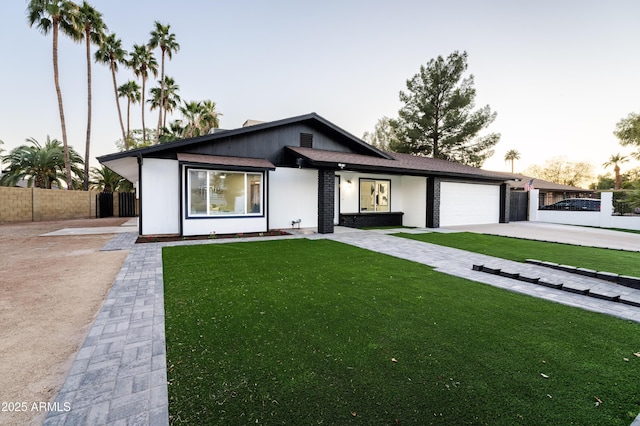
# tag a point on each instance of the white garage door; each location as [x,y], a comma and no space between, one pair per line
[469,204]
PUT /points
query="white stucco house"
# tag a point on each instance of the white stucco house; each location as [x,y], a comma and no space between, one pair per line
[267,175]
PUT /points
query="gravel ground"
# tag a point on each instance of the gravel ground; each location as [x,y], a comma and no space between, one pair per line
[51,288]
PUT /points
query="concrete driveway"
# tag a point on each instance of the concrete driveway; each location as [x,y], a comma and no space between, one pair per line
[569,234]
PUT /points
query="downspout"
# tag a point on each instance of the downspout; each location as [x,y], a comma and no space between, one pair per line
[139,158]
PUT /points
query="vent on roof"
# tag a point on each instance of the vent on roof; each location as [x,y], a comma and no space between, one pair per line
[306,140]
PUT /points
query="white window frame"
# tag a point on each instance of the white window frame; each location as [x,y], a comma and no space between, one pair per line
[376,194]
[247,184]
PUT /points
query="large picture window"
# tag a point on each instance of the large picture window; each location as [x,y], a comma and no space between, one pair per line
[223,193]
[375,195]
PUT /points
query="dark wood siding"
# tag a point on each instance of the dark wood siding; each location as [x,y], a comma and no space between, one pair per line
[268,144]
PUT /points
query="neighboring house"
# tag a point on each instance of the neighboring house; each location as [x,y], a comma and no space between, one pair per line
[272,175]
[550,192]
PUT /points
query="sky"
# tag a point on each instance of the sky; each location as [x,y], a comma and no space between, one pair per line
[559,73]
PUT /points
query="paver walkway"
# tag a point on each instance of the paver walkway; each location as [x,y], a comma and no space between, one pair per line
[119,375]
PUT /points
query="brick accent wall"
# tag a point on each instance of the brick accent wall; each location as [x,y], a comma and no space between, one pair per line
[326,200]
[505,203]
[35,204]
[433,202]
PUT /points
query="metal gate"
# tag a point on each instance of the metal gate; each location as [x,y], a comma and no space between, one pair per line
[518,206]
[104,204]
[127,204]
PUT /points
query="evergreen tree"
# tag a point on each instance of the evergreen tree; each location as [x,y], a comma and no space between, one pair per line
[438,119]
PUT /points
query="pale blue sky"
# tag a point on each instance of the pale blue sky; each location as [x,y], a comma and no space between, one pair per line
[560,74]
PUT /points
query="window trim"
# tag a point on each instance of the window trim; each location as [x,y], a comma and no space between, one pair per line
[187,198]
[376,181]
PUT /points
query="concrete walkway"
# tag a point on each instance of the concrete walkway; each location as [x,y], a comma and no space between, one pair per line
[119,375]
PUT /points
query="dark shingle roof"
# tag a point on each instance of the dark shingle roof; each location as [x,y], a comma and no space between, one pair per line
[544,185]
[399,163]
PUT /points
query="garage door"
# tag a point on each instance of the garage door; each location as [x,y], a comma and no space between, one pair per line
[469,204]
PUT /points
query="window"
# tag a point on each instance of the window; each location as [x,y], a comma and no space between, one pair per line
[375,195]
[222,193]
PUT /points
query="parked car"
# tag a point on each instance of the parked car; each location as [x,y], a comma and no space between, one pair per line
[575,204]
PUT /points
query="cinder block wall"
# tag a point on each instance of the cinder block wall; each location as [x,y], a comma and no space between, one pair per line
[15,204]
[35,204]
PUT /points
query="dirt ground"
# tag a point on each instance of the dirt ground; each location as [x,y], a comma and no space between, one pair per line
[51,289]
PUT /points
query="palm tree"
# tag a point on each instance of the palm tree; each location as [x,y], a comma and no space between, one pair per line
[131,91]
[512,155]
[170,98]
[190,113]
[161,37]
[209,117]
[111,52]
[105,179]
[142,61]
[52,16]
[614,161]
[93,31]
[200,117]
[40,165]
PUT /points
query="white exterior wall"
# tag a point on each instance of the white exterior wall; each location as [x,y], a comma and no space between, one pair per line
[469,204]
[603,219]
[293,195]
[414,201]
[225,225]
[350,193]
[222,225]
[160,197]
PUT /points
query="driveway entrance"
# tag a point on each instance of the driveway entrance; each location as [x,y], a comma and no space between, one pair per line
[568,234]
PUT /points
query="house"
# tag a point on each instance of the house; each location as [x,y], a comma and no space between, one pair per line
[549,192]
[303,170]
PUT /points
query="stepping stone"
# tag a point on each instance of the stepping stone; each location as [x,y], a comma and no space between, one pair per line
[529,279]
[546,282]
[604,294]
[607,276]
[549,265]
[576,288]
[509,274]
[630,299]
[568,268]
[487,269]
[627,281]
[586,272]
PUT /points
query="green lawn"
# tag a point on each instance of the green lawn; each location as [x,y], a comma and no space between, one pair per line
[307,332]
[619,262]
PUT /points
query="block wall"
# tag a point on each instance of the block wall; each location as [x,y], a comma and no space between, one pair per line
[35,204]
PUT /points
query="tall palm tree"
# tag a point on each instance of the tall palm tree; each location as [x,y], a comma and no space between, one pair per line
[161,37]
[93,31]
[170,98]
[40,165]
[512,155]
[53,16]
[142,62]
[131,91]
[111,52]
[615,161]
